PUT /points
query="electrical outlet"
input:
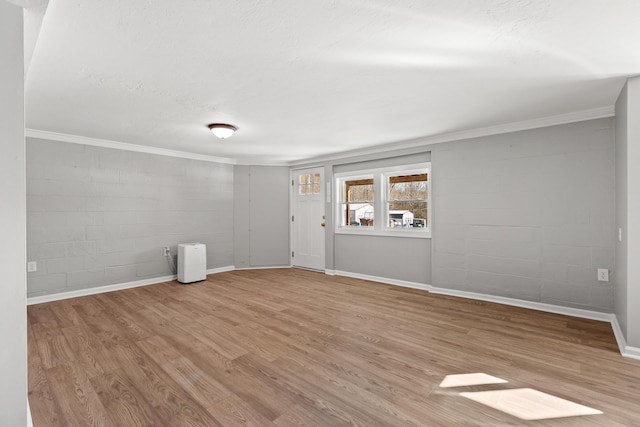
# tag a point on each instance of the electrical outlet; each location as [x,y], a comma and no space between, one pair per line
[167,251]
[32,266]
[603,275]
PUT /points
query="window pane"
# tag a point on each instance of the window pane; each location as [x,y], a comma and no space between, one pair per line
[357,214]
[411,214]
[316,177]
[408,187]
[303,184]
[360,190]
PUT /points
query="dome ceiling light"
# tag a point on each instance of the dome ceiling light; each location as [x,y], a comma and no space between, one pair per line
[222,130]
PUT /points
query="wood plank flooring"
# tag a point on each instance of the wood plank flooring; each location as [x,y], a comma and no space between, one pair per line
[290,347]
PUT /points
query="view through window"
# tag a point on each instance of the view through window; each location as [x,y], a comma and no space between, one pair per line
[394,201]
[358,202]
[407,200]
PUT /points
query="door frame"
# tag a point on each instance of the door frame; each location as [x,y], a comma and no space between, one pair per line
[292,172]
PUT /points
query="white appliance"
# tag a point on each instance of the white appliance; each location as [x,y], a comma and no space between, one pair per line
[192,262]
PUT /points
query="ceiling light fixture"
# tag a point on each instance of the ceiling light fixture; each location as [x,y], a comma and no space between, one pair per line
[222,130]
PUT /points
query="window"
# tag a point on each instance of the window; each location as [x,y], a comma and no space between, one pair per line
[309,184]
[391,201]
[357,205]
[406,202]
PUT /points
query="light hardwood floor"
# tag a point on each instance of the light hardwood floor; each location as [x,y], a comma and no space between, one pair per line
[290,347]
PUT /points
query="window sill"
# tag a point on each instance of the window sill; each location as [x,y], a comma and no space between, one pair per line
[358,231]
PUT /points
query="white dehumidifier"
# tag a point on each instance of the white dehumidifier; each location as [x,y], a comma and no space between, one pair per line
[192,262]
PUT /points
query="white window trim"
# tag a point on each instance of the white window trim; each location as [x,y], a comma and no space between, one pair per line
[380,206]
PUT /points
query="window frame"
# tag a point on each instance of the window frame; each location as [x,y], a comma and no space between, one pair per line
[386,201]
[381,201]
[342,203]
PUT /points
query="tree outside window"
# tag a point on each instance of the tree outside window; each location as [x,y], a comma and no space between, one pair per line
[407,200]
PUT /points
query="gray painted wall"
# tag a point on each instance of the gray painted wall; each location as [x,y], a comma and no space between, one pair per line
[527,215]
[631,233]
[261,227]
[242,216]
[13,317]
[620,306]
[100,216]
[397,258]
[633,212]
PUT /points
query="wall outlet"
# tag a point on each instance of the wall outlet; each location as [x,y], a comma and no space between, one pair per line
[32,266]
[603,275]
[167,251]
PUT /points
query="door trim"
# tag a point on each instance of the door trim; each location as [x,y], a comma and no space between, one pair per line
[292,173]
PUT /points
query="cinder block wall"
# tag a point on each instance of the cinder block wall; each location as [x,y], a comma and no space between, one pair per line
[528,215]
[261,216]
[99,216]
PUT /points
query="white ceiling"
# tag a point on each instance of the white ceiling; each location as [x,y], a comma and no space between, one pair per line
[306,78]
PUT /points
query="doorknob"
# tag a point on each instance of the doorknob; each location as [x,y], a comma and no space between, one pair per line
[322,224]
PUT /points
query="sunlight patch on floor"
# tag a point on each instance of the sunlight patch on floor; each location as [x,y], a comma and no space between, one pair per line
[465,380]
[529,404]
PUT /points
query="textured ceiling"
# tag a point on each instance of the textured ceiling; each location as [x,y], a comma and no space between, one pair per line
[315,77]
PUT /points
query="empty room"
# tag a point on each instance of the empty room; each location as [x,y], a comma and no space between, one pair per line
[320,213]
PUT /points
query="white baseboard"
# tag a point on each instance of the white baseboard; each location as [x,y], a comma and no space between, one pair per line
[29,419]
[220,269]
[631,352]
[540,306]
[269,267]
[385,280]
[98,290]
[625,350]
[111,288]
[617,332]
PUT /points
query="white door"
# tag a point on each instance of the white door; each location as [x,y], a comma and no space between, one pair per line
[308,219]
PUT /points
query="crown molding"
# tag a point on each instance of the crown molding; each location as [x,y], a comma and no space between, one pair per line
[254,161]
[560,119]
[75,139]
[574,117]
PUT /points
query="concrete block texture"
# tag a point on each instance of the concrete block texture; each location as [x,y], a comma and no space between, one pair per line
[395,258]
[99,216]
[260,217]
[528,215]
